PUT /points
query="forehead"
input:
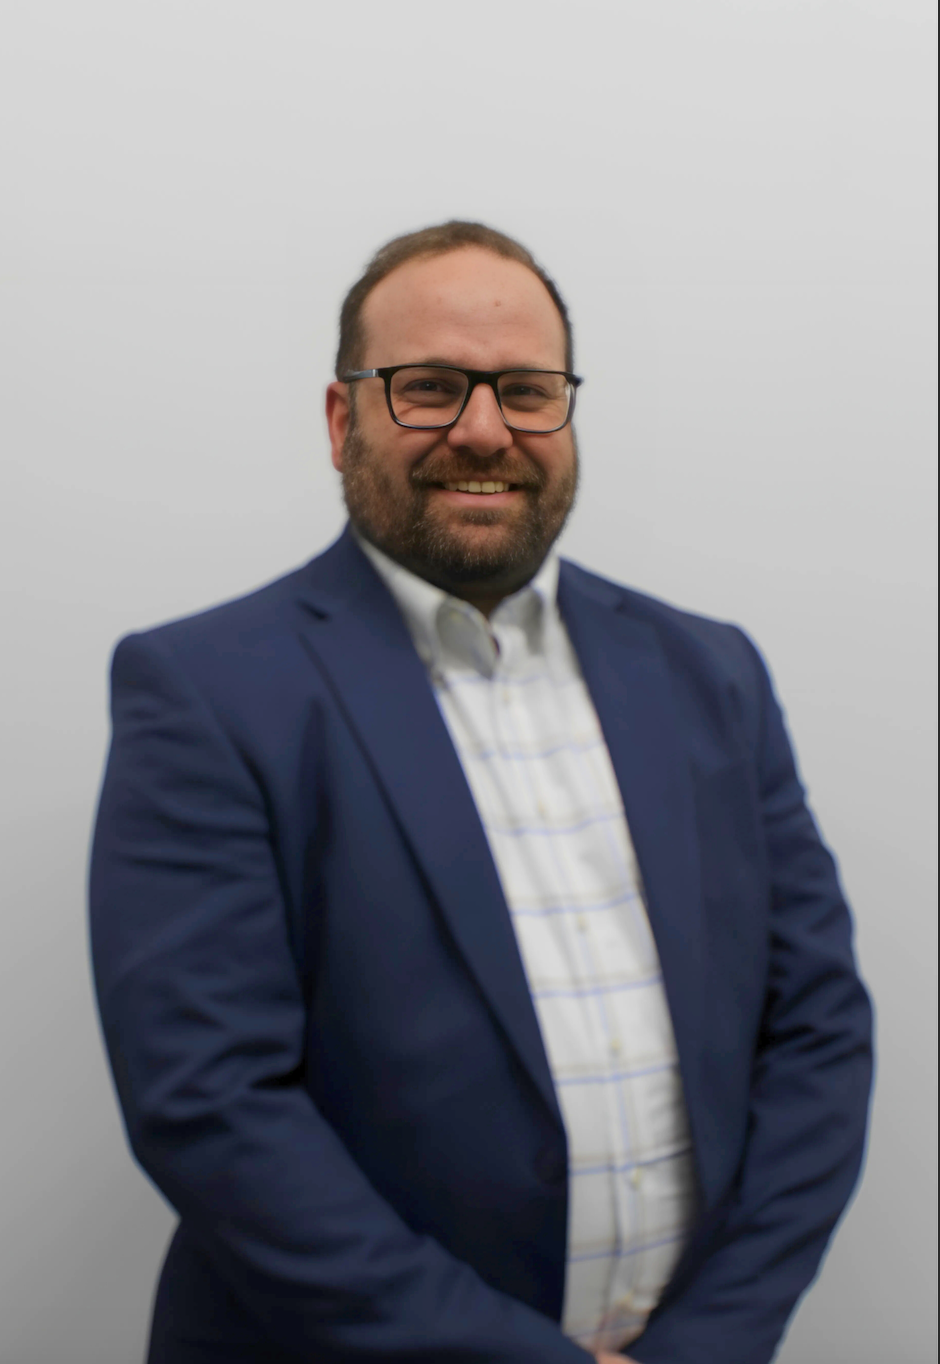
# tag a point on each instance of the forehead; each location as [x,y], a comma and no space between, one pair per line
[470,307]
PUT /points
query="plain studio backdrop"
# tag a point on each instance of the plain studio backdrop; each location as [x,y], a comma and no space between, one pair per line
[737,200]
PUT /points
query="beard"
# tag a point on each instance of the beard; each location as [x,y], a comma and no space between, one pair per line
[397,516]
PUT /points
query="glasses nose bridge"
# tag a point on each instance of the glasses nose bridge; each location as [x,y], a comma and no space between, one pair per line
[491,381]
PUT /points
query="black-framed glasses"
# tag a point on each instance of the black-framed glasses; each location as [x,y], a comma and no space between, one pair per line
[429,397]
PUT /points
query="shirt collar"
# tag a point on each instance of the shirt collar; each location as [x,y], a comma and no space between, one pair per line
[431,613]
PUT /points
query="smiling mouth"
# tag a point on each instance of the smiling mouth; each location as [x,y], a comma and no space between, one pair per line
[469,486]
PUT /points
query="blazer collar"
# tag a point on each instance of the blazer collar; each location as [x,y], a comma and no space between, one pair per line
[631,685]
[359,641]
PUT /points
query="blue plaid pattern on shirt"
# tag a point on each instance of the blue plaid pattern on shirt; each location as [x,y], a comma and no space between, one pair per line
[512,695]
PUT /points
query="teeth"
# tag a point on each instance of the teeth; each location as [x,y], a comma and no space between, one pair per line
[464,487]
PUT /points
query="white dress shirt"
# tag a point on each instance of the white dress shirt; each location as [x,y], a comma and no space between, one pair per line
[522,721]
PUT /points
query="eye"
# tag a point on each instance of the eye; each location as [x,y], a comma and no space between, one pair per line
[428,386]
[426,396]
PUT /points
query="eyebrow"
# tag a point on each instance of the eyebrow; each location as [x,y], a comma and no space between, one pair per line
[437,360]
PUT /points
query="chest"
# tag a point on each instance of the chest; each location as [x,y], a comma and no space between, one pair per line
[532,750]
[538,768]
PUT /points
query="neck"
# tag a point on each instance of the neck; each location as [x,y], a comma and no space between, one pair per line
[484,592]
[485,602]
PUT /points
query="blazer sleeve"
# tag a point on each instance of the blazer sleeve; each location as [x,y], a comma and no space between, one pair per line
[204,1020]
[810,1086]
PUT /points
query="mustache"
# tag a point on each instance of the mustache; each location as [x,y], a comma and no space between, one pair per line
[431,472]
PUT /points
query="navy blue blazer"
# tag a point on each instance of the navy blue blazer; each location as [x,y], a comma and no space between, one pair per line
[318,1021]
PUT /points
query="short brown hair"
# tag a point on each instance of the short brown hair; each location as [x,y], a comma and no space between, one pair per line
[433,241]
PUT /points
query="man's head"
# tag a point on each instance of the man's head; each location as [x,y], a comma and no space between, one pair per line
[465,296]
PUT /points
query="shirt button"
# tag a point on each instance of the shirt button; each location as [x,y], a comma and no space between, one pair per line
[636,1176]
[624,1304]
[615,1046]
[581,921]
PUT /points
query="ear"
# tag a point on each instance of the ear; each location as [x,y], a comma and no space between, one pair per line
[337,419]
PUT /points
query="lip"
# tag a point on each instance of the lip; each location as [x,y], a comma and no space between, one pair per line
[458,499]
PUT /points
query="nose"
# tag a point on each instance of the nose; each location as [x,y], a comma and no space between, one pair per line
[480,429]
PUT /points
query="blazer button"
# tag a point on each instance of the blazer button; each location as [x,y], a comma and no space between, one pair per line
[550,1166]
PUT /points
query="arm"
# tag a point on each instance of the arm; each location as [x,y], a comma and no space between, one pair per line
[204,1020]
[809,1092]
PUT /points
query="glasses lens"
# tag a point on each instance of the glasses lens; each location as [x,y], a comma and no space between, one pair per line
[534,401]
[423,395]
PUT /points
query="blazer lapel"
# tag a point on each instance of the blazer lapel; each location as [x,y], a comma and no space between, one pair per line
[360,643]
[629,681]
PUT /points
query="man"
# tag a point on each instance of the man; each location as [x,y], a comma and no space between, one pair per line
[476,985]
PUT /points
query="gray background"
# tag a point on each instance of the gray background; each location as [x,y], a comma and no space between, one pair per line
[737,200]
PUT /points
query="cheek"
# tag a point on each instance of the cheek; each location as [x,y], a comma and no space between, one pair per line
[557,459]
[394,449]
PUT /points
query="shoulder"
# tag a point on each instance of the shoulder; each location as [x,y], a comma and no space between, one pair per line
[255,623]
[715,670]
[678,632]
[246,657]
[238,669]
[258,623]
